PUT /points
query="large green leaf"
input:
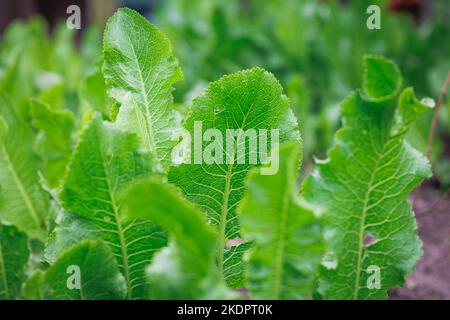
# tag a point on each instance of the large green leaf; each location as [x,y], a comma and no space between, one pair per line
[287,248]
[54,139]
[250,99]
[105,161]
[22,201]
[14,254]
[186,269]
[87,271]
[362,188]
[140,70]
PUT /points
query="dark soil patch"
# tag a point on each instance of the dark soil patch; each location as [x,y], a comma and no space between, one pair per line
[431,279]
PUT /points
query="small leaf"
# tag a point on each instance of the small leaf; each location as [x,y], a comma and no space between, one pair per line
[34,286]
[93,94]
[54,139]
[382,78]
[90,265]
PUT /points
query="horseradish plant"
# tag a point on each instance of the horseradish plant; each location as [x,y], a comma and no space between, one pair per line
[120,220]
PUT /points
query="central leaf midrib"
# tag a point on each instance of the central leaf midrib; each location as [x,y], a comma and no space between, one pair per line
[149,126]
[362,225]
[223,218]
[224,213]
[115,209]
[21,189]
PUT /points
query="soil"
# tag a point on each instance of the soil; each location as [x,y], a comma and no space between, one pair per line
[431,279]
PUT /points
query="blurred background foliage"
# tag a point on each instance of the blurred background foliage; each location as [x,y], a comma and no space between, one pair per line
[314,47]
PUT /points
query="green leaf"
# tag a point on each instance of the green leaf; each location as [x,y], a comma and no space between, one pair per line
[91,45]
[14,255]
[287,247]
[22,201]
[54,139]
[362,188]
[66,57]
[69,231]
[91,265]
[54,96]
[34,286]
[234,267]
[27,51]
[382,79]
[105,161]
[187,268]
[140,70]
[250,99]
[93,94]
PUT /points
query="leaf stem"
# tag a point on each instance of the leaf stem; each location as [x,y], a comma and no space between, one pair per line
[223,218]
[432,132]
[434,122]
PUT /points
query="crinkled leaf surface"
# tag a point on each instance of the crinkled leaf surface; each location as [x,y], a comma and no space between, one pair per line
[287,247]
[22,201]
[250,99]
[14,254]
[140,70]
[186,269]
[105,161]
[99,276]
[362,190]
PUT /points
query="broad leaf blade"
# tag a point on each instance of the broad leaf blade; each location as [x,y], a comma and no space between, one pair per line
[187,268]
[105,161]
[362,188]
[287,247]
[14,255]
[250,99]
[22,202]
[89,264]
[140,70]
